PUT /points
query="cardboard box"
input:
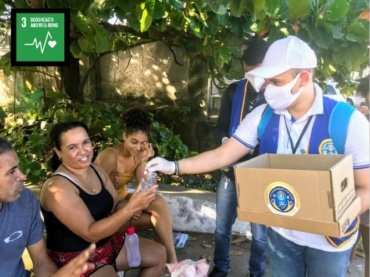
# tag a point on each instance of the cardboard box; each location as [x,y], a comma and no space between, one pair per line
[311,193]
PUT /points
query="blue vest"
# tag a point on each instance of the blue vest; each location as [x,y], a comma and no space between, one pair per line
[328,137]
[237,107]
[329,129]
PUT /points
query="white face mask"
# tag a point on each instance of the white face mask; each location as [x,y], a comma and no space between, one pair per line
[280,98]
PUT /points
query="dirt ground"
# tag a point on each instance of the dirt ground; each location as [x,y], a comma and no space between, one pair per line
[201,246]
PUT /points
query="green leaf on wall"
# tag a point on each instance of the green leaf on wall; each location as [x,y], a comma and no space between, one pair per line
[299,9]
[337,10]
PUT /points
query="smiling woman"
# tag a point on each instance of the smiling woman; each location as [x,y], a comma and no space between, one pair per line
[80,206]
[126,162]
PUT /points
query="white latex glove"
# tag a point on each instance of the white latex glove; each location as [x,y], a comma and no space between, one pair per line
[161,165]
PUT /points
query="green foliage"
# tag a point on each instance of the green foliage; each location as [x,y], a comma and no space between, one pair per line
[204,28]
[28,130]
[299,9]
[167,144]
[210,31]
[204,182]
[337,10]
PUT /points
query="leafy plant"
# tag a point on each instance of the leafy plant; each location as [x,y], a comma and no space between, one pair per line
[167,144]
[29,128]
[213,31]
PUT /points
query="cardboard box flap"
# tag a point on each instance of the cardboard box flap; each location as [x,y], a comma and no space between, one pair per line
[341,181]
[261,161]
[349,214]
[293,162]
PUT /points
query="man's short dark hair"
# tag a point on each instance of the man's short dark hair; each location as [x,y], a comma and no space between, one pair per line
[254,50]
[363,86]
[5,146]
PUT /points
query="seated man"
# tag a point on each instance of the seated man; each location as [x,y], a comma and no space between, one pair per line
[21,225]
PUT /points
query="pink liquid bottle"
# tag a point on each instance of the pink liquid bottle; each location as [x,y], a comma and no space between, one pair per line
[132,246]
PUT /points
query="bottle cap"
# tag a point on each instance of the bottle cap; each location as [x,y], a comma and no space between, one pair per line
[130,230]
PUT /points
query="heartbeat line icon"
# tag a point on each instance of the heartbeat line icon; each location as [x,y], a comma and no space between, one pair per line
[39,44]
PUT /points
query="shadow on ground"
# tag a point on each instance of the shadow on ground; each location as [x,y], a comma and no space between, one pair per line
[201,246]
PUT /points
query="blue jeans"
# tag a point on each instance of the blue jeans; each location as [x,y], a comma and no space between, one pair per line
[226,204]
[292,260]
[259,249]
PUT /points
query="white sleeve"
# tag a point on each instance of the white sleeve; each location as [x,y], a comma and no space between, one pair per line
[246,133]
[357,142]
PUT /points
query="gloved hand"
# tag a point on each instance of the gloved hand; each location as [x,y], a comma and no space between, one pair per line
[161,165]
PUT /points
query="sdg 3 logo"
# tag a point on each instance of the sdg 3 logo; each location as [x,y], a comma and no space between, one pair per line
[40,37]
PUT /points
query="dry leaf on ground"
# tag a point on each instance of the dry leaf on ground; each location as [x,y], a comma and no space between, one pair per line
[235,253]
[206,244]
[239,240]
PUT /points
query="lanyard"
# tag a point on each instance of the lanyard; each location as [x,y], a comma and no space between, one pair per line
[295,147]
[244,102]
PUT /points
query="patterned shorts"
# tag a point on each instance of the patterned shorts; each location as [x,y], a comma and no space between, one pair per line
[105,254]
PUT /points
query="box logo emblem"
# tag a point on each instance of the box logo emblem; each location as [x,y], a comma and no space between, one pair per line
[327,147]
[281,198]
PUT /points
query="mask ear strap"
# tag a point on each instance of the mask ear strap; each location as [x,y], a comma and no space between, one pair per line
[296,78]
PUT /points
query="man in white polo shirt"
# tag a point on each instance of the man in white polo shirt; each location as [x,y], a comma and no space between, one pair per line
[297,119]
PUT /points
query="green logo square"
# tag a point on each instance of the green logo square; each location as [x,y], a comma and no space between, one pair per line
[40,37]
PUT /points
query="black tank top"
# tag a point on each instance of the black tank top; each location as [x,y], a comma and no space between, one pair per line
[59,237]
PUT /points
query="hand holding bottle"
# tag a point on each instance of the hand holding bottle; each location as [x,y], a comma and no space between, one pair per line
[161,165]
[141,200]
[148,180]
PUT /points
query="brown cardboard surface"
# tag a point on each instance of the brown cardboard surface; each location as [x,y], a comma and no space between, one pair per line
[253,195]
[328,228]
[322,187]
[342,188]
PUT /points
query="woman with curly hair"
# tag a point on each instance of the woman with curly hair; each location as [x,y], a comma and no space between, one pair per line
[125,162]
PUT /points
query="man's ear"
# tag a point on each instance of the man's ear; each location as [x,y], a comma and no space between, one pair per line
[305,78]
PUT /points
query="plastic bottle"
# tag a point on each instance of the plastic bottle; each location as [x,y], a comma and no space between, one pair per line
[149,179]
[132,246]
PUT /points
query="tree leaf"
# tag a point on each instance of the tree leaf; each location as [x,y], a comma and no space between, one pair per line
[196,27]
[358,31]
[150,6]
[82,24]
[336,31]
[272,6]
[177,4]
[258,7]
[75,49]
[337,10]
[217,6]
[298,9]
[86,44]
[125,5]
[145,21]
[159,10]
[319,36]
[102,41]
[82,6]
[237,7]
